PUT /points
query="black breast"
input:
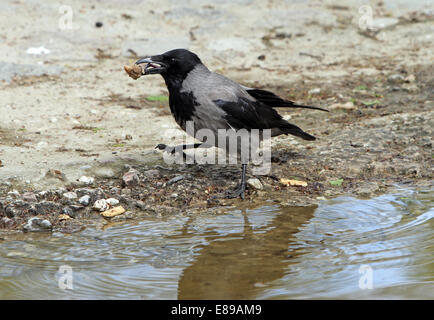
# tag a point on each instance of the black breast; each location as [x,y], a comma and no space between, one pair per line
[182,104]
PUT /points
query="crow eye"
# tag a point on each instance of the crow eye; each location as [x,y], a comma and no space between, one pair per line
[173,60]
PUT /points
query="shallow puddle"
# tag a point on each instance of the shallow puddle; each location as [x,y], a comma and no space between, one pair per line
[344,248]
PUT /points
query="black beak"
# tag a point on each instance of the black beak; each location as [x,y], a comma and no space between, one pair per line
[153,65]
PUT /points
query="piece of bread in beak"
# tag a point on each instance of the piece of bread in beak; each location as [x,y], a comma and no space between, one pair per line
[134,72]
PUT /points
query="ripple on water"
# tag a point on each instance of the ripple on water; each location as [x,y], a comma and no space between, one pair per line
[268,252]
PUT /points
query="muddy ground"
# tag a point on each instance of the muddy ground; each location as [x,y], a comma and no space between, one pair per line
[73,112]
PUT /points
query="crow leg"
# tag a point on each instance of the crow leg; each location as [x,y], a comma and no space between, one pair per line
[239,191]
[179,148]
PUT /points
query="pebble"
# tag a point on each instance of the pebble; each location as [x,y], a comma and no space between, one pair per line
[14,193]
[57,174]
[63,217]
[116,190]
[75,208]
[11,212]
[60,191]
[140,204]
[37,225]
[43,193]
[126,191]
[130,178]
[255,183]
[101,205]
[410,87]
[86,180]
[30,197]
[84,200]
[175,180]
[67,211]
[395,78]
[113,212]
[291,182]
[112,201]
[314,91]
[410,78]
[70,195]
[6,222]
[346,106]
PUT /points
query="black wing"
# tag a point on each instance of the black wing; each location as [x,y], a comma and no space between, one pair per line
[248,114]
[274,101]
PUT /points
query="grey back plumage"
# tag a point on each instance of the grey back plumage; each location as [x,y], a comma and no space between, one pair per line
[221,103]
[207,87]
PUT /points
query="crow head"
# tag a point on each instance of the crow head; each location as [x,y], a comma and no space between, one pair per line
[171,64]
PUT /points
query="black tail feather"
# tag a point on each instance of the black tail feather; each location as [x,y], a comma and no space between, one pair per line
[288,128]
[293,105]
[274,101]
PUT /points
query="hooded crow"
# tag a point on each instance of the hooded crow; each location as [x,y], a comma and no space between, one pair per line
[212,101]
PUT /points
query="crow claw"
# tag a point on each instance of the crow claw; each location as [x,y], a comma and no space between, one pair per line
[238,192]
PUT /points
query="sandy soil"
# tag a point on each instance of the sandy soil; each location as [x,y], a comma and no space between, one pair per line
[74,111]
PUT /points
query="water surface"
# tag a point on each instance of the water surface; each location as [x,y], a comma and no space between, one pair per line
[334,250]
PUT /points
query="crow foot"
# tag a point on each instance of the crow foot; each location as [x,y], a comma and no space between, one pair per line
[238,192]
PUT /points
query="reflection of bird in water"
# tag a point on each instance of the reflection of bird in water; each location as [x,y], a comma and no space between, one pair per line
[239,265]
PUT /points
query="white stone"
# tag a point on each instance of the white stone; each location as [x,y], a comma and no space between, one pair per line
[84,200]
[314,91]
[38,50]
[101,205]
[70,195]
[112,201]
[255,183]
[37,224]
[14,193]
[86,180]
[29,196]
[346,106]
